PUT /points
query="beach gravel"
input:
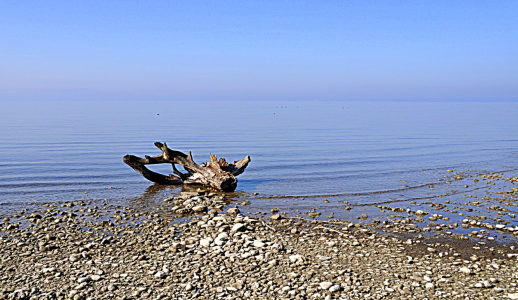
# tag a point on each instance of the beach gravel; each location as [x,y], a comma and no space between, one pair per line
[62,255]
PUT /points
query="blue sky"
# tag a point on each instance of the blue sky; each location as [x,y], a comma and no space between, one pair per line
[255,50]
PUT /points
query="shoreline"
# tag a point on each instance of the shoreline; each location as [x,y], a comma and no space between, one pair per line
[92,251]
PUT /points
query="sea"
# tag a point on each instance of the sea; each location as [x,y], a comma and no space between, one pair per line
[344,159]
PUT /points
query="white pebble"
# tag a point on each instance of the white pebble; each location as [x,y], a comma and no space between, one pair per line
[326,285]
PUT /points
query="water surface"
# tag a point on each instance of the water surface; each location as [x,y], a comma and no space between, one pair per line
[359,152]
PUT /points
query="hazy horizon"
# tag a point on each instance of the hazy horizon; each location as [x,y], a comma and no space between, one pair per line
[269,50]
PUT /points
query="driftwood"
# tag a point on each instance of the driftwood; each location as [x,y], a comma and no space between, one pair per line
[217,174]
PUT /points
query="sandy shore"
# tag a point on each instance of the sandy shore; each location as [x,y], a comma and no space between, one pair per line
[80,251]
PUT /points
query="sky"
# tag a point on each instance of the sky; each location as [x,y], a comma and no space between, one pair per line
[259,50]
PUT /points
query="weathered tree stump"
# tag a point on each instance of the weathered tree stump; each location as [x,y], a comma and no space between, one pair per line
[217,174]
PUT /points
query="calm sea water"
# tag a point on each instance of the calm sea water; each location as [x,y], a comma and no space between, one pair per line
[360,152]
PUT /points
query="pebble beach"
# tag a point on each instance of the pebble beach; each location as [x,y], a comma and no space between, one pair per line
[94,250]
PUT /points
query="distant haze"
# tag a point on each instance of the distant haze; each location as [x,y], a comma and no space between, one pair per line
[259,50]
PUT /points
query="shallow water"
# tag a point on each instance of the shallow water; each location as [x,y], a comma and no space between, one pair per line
[359,152]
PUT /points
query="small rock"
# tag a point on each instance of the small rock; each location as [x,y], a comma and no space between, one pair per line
[95,277]
[199,208]
[324,258]
[259,244]
[160,274]
[335,288]
[296,258]
[205,242]
[276,217]
[74,257]
[487,284]
[235,286]
[326,285]
[233,211]
[238,227]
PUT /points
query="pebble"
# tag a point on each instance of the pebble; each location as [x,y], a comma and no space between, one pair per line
[141,254]
[276,217]
[205,242]
[238,227]
[259,243]
[160,274]
[95,277]
[199,208]
[326,285]
[233,211]
[324,258]
[335,288]
[296,258]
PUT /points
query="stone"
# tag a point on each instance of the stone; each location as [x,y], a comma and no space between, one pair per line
[487,284]
[238,227]
[160,275]
[95,277]
[83,279]
[325,285]
[219,242]
[296,258]
[74,257]
[199,209]
[259,244]
[233,211]
[235,286]
[276,217]
[205,242]
[335,288]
